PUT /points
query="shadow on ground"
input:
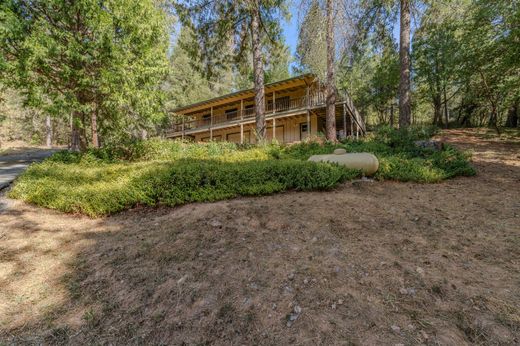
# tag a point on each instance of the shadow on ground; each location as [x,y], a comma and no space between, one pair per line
[367,263]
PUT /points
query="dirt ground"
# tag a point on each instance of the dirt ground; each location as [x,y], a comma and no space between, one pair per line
[367,263]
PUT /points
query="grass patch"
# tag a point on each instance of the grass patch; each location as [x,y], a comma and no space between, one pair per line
[105,181]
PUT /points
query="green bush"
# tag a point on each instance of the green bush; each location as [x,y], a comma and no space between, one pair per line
[104,181]
[104,188]
[403,138]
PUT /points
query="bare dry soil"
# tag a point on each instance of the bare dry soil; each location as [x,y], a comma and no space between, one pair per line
[367,263]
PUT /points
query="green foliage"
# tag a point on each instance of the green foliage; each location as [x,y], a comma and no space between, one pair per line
[169,173]
[404,138]
[311,50]
[153,172]
[399,158]
[87,57]
[223,39]
[186,83]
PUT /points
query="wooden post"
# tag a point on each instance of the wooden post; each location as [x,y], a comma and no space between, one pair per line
[274,129]
[183,126]
[211,124]
[351,125]
[344,121]
[307,98]
[308,123]
[274,102]
[241,133]
[241,109]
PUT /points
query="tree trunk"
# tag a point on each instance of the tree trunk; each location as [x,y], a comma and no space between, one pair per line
[330,119]
[74,133]
[512,116]
[493,118]
[446,115]
[93,125]
[437,104]
[258,67]
[405,109]
[48,131]
[391,114]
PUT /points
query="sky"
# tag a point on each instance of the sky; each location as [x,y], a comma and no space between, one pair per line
[290,28]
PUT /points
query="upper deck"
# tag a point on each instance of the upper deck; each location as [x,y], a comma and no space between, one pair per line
[286,98]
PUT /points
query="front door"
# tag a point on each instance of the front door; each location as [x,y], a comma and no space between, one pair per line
[304,131]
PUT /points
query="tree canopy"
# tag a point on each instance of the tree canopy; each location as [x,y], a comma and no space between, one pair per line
[99,62]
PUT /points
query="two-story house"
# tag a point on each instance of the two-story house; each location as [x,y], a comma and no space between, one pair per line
[294,110]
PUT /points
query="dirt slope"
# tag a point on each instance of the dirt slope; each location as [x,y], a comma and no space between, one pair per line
[367,263]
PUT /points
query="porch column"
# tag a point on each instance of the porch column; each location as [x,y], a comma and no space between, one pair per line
[241,109]
[344,121]
[274,102]
[308,123]
[274,129]
[241,133]
[211,124]
[351,126]
[183,126]
[307,97]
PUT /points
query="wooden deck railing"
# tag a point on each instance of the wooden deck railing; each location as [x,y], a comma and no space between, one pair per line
[281,106]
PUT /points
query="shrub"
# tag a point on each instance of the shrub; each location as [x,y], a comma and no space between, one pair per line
[108,180]
[403,138]
[107,188]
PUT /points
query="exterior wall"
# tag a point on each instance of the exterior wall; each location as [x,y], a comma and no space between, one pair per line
[287,131]
[219,113]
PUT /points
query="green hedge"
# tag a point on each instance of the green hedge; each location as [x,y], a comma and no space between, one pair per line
[105,181]
[103,189]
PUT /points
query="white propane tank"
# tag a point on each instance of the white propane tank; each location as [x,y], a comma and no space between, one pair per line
[366,162]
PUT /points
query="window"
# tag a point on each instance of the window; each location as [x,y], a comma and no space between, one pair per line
[249,110]
[304,131]
[231,113]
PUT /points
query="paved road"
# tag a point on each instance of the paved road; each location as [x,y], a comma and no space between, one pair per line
[16,161]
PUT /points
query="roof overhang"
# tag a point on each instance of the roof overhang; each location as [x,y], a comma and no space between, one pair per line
[302,80]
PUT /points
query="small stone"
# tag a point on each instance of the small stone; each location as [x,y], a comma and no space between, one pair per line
[340,302]
[306,281]
[181,280]
[294,315]
[333,306]
[215,223]
[420,270]
[396,329]
[291,276]
[340,151]
[403,291]
[314,239]
[274,306]
[433,145]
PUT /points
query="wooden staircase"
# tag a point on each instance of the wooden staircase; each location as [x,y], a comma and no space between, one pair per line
[356,118]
